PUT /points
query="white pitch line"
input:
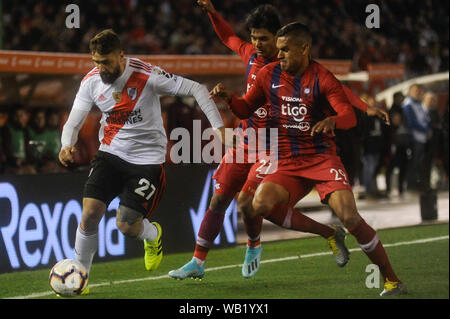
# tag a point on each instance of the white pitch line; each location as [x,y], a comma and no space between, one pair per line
[118,282]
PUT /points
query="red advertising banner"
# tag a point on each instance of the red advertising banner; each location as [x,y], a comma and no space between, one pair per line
[386,71]
[64,63]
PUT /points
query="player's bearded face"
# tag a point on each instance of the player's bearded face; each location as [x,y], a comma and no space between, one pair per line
[108,77]
[108,66]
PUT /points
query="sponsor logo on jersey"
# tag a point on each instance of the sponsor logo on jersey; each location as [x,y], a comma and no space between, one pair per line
[132,92]
[124,117]
[117,96]
[261,112]
[307,90]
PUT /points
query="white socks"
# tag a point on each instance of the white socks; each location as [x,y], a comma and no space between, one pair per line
[199,261]
[85,247]
[86,243]
[149,230]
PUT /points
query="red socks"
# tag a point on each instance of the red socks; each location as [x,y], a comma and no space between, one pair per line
[253,228]
[371,245]
[291,218]
[209,229]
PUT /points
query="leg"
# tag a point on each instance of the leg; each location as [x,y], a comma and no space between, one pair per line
[275,199]
[343,203]
[86,238]
[140,196]
[252,224]
[229,179]
[211,225]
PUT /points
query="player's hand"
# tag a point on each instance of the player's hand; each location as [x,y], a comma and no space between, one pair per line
[221,91]
[206,5]
[66,155]
[374,111]
[325,126]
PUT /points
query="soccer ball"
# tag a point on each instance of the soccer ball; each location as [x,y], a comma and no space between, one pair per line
[68,278]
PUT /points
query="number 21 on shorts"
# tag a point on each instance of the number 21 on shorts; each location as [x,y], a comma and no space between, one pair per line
[144,188]
[339,175]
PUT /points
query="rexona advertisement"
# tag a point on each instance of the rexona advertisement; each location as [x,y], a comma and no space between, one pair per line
[39,215]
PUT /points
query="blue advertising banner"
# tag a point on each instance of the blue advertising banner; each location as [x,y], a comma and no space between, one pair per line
[39,215]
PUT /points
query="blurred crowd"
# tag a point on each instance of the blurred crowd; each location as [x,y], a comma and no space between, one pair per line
[407,153]
[414,32]
[30,141]
[411,153]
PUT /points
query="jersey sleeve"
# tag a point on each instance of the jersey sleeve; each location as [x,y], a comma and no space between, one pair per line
[229,38]
[334,93]
[255,97]
[354,99]
[164,83]
[83,100]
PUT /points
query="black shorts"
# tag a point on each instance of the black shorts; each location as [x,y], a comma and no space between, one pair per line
[139,187]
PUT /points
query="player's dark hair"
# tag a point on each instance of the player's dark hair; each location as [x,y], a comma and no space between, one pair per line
[264,17]
[105,42]
[298,31]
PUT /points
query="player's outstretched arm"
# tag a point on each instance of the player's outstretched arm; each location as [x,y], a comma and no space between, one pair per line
[244,107]
[69,135]
[201,95]
[223,30]
[207,6]
[374,111]
[360,104]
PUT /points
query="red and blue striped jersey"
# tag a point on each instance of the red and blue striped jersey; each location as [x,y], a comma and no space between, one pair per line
[297,103]
[254,63]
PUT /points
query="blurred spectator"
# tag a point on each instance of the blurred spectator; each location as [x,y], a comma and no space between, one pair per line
[400,145]
[37,143]
[373,146]
[54,133]
[418,123]
[445,141]
[44,141]
[434,139]
[16,141]
[412,32]
[3,120]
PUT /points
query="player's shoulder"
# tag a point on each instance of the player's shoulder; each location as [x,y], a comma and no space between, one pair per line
[146,67]
[320,69]
[92,74]
[271,67]
[140,66]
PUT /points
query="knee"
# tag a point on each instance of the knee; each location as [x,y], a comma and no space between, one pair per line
[93,212]
[128,221]
[219,203]
[350,216]
[244,205]
[350,221]
[127,229]
[262,205]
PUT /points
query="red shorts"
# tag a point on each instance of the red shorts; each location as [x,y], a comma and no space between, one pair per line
[230,177]
[256,175]
[299,174]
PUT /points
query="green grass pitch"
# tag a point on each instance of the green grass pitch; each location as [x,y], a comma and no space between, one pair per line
[418,254]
